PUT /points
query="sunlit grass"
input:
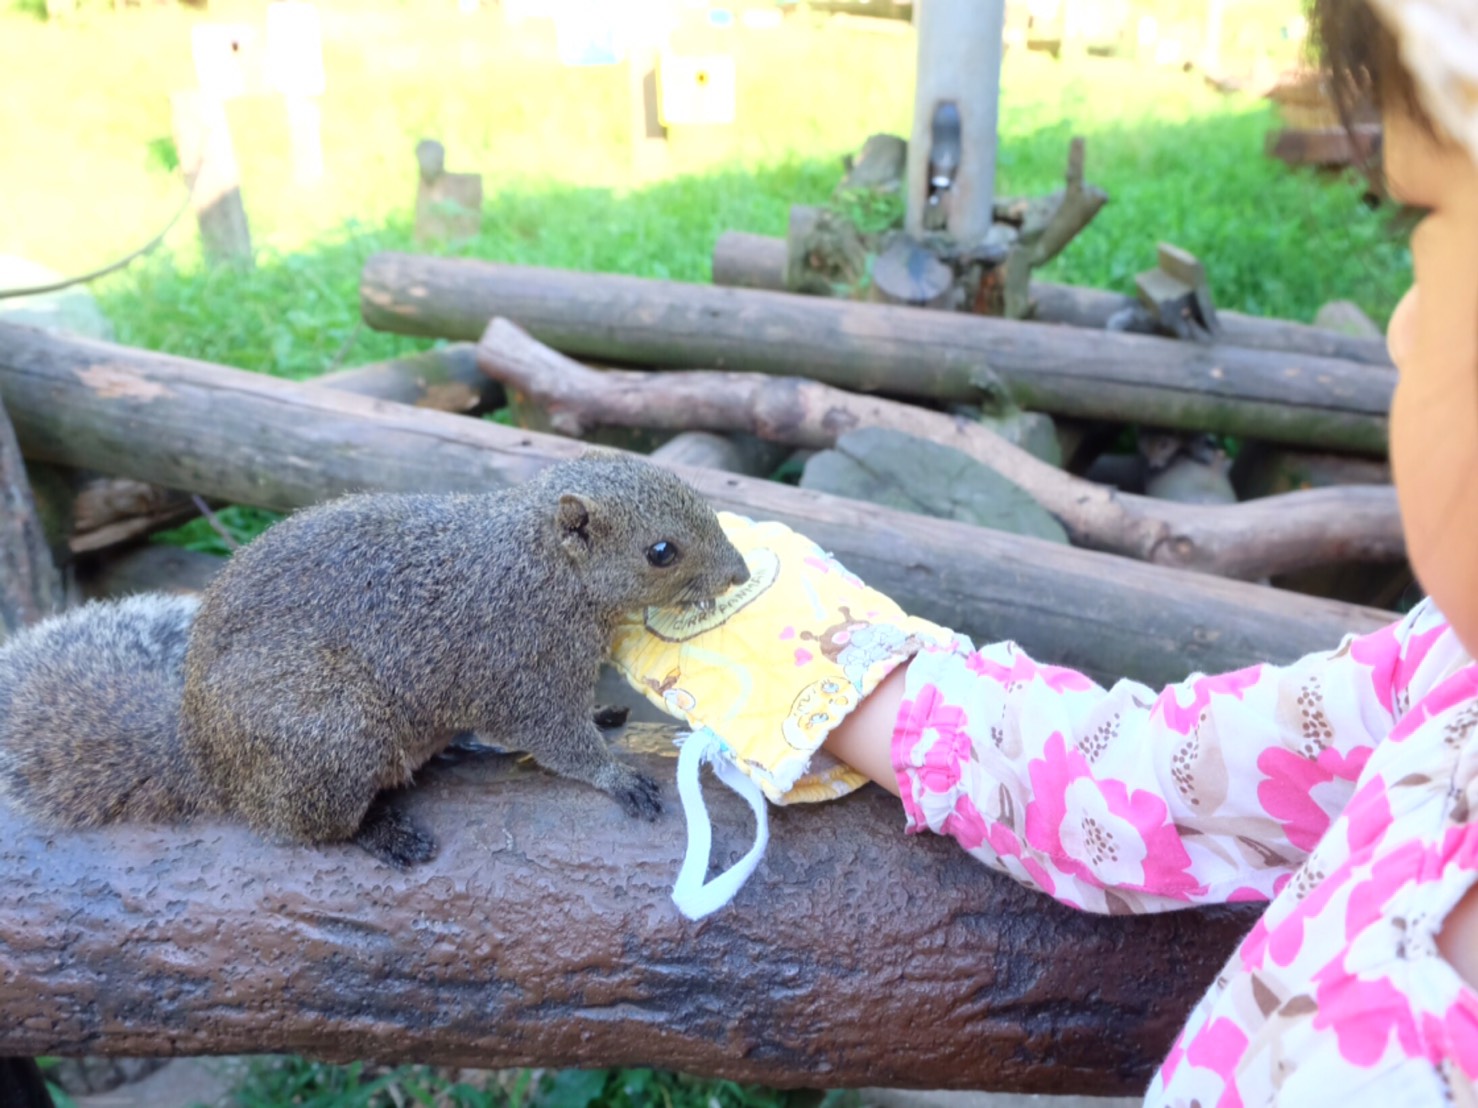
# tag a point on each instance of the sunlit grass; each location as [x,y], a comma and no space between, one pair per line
[84,175]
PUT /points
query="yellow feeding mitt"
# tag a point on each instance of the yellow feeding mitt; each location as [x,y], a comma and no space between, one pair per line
[762,677]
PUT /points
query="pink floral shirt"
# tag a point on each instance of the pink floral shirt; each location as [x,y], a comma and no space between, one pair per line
[1338,788]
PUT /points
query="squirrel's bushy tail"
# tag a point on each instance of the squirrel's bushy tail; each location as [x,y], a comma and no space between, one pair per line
[90,711]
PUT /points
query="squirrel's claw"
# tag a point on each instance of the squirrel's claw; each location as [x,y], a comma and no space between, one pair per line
[639,795]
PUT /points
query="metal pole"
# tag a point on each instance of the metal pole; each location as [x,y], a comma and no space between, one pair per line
[952,150]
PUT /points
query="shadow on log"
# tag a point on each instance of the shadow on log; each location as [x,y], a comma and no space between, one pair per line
[542,934]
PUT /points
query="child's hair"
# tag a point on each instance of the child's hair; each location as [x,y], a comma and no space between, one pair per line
[1363,61]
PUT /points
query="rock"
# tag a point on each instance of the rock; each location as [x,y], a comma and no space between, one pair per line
[71,310]
[879,165]
[915,475]
[1190,481]
[1346,317]
[1034,432]
[91,1074]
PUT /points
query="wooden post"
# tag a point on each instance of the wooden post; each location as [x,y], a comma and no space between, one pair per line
[294,68]
[952,148]
[305,136]
[203,138]
[1211,46]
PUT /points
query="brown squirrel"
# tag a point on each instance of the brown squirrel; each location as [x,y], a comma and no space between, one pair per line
[350,643]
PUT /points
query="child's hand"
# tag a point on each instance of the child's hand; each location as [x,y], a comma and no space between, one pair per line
[778,662]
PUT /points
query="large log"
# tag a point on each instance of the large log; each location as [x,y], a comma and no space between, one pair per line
[758,261]
[1261,394]
[1089,307]
[1256,539]
[254,439]
[543,934]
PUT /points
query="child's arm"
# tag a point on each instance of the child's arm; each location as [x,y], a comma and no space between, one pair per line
[1123,799]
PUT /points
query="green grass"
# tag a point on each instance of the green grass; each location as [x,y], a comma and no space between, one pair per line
[310,1085]
[85,174]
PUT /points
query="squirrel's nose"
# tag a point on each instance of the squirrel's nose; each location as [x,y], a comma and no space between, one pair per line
[740,575]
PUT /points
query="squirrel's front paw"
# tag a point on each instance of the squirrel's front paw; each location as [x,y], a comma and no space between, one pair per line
[608,717]
[637,794]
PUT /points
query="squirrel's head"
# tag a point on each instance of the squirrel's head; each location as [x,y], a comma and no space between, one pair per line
[639,535]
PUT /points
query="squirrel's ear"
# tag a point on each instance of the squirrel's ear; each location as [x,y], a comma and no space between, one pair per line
[572,517]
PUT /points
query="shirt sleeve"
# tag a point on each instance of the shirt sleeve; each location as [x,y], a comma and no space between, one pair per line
[1212,790]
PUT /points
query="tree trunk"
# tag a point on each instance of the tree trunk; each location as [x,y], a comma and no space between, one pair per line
[1252,540]
[743,260]
[254,439]
[543,934]
[1315,402]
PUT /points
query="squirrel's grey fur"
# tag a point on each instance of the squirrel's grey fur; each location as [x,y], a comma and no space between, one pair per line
[347,645]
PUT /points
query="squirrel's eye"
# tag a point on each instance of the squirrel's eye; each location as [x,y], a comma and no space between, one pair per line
[662,554]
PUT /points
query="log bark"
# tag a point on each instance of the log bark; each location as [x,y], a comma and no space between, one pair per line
[111,512]
[1316,402]
[253,439]
[543,934]
[743,260]
[1089,307]
[30,585]
[445,378]
[1252,540]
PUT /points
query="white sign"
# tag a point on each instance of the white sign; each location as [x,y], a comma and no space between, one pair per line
[228,59]
[696,89]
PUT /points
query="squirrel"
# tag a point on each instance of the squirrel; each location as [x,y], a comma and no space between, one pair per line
[350,643]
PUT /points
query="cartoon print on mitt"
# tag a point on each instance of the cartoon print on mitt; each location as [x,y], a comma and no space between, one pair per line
[777,662]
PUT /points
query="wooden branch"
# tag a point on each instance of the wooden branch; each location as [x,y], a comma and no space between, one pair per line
[1255,539]
[445,378]
[1079,204]
[249,438]
[757,261]
[30,586]
[1314,402]
[543,934]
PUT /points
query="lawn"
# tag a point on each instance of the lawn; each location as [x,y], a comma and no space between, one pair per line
[86,174]
[86,171]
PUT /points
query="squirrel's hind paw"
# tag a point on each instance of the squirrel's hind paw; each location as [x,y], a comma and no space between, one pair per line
[390,836]
[638,795]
